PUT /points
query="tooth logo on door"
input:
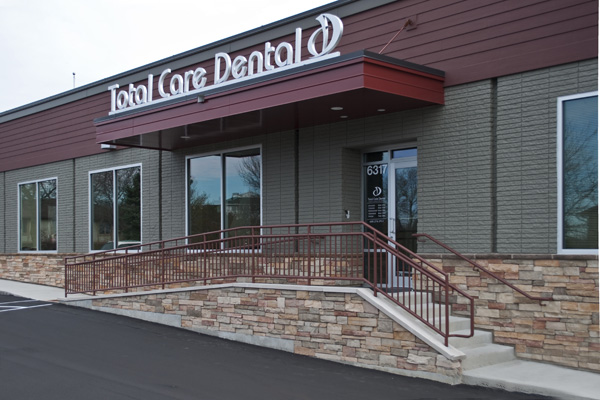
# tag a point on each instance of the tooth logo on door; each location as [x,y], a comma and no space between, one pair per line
[377,192]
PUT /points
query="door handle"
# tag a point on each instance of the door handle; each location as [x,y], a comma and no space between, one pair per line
[393,225]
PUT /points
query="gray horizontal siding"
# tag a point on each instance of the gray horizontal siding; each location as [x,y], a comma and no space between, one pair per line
[463,199]
[527,132]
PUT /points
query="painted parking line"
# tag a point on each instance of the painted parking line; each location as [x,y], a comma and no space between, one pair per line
[21,301]
[4,307]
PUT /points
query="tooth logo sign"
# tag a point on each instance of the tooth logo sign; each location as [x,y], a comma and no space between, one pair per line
[377,191]
[241,68]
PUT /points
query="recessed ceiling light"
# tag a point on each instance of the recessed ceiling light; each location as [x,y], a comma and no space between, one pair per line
[343,116]
[336,108]
[185,137]
[381,109]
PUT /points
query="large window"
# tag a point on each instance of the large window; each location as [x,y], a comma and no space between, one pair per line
[116,210]
[37,216]
[578,174]
[223,191]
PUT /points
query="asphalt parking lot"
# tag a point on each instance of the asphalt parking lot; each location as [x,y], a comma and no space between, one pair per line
[52,351]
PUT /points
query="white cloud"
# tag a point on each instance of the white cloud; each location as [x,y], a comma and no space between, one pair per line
[42,42]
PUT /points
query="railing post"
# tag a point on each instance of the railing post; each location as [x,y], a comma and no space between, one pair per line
[447,289]
[253,253]
[309,272]
[309,256]
[375,264]
[94,279]
[204,258]
[163,267]
[126,274]
[66,279]
[472,317]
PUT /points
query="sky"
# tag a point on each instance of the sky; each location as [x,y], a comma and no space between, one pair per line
[42,42]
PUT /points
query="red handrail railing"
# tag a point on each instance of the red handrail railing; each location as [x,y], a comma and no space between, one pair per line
[481,268]
[351,253]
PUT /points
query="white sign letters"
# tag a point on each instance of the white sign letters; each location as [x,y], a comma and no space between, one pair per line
[227,71]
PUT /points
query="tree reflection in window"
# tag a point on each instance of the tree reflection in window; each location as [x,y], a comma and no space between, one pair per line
[242,190]
[28,217]
[123,188]
[37,219]
[128,206]
[204,195]
[47,193]
[580,173]
[224,191]
[407,213]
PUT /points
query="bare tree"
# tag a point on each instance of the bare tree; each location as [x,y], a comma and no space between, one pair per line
[250,172]
[580,187]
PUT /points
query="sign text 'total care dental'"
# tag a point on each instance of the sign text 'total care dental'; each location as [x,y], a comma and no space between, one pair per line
[273,59]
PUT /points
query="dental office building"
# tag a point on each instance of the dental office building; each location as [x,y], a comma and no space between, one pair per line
[472,121]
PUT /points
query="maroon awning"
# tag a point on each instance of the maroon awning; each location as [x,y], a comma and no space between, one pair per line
[363,84]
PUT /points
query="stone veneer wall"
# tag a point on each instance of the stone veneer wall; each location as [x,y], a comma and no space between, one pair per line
[564,331]
[43,269]
[335,326]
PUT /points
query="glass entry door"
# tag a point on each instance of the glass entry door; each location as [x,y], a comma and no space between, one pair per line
[391,206]
[403,204]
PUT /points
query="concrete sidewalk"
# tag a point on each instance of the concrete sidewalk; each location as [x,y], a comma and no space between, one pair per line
[551,380]
[37,292]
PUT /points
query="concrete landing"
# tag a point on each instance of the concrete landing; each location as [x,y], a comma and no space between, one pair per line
[539,378]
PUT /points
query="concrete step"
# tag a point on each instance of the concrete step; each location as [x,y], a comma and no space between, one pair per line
[455,324]
[479,349]
[478,338]
[482,355]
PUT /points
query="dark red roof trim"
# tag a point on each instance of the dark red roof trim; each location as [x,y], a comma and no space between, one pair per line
[362,83]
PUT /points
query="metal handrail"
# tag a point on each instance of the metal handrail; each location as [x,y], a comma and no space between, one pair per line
[481,268]
[345,251]
[445,281]
[159,244]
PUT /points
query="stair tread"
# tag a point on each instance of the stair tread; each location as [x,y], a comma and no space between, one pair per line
[479,337]
[485,348]
[454,318]
[481,355]
[476,334]
[456,323]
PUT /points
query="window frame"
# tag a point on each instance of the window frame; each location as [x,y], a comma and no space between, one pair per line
[37,211]
[90,223]
[559,174]
[221,154]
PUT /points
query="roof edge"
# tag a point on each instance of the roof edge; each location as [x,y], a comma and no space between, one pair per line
[360,54]
[343,8]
